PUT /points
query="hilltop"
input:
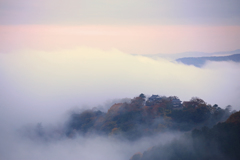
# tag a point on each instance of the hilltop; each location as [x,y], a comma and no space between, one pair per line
[144,116]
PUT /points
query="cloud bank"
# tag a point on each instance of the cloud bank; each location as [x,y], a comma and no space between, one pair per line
[38,86]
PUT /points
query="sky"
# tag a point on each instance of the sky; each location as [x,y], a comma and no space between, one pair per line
[56,56]
[158,26]
[141,12]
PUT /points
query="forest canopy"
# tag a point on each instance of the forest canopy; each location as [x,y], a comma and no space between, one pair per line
[144,116]
[220,142]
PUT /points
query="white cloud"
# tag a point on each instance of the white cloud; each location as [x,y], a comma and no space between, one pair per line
[52,82]
[84,148]
[39,86]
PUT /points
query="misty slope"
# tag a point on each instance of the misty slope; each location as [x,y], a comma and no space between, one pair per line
[200,61]
[144,117]
[220,142]
[192,54]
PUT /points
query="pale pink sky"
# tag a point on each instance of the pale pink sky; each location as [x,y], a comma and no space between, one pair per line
[140,39]
[135,27]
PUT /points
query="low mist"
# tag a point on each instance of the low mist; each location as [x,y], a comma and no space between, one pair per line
[19,147]
[43,87]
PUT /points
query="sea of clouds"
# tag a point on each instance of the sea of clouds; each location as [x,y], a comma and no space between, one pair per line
[43,86]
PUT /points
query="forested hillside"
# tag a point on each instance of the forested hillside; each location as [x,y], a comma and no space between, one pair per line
[147,116]
[222,142]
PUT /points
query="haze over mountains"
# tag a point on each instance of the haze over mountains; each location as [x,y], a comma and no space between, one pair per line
[201,61]
[71,72]
[39,87]
[220,142]
[192,54]
[146,118]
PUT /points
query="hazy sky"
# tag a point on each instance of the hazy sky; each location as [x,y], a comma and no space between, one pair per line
[164,12]
[136,26]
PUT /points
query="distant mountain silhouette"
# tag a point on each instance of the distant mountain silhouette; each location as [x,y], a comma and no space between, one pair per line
[190,54]
[200,61]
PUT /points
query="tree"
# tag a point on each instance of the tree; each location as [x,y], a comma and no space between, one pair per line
[142,96]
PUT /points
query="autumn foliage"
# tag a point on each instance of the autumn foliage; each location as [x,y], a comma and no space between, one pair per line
[144,116]
[221,142]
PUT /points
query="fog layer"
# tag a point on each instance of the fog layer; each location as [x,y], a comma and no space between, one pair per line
[39,86]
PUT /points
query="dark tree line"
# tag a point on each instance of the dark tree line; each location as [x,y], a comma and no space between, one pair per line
[135,119]
[222,142]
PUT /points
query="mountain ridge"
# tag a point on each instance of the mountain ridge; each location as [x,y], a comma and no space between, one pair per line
[175,56]
[201,61]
